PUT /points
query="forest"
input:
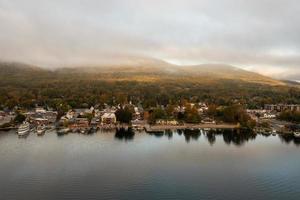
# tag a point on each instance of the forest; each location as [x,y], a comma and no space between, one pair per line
[27,87]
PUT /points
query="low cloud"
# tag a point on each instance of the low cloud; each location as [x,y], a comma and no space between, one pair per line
[260,35]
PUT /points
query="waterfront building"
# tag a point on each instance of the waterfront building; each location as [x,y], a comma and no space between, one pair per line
[40,110]
[80,123]
[282,107]
[108,118]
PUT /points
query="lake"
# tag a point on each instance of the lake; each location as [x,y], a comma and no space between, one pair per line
[174,165]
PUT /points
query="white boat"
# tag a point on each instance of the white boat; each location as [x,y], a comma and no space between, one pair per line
[40,130]
[63,131]
[297,134]
[24,129]
[274,132]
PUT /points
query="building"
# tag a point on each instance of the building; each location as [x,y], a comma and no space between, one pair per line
[51,116]
[138,113]
[282,107]
[108,118]
[39,121]
[40,110]
[2,113]
[6,117]
[80,123]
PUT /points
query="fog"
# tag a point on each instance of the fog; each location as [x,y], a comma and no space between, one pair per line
[258,35]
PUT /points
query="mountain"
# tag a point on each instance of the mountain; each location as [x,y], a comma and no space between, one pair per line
[152,83]
[160,70]
[10,68]
[144,70]
[139,69]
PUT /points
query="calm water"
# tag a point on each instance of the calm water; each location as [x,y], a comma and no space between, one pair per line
[142,166]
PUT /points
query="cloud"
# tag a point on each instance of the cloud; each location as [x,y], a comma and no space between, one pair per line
[261,35]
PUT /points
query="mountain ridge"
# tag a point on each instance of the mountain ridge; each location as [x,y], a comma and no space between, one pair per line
[144,71]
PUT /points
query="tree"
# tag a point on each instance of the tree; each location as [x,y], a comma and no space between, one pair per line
[170,110]
[124,115]
[89,116]
[212,111]
[191,114]
[156,114]
[290,116]
[237,114]
[19,118]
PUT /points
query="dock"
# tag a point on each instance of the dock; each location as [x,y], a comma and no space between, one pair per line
[160,128]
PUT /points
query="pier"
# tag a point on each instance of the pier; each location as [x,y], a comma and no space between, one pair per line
[160,128]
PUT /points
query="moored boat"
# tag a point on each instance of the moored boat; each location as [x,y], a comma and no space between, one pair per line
[297,134]
[63,131]
[23,129]
[40,130]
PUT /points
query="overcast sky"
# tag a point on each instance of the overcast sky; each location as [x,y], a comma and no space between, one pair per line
[260,35]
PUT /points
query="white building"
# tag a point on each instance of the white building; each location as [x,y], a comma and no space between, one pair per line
[108,118]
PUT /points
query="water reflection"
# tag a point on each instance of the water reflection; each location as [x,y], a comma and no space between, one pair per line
[149,167]
[191,134]
[169,134]
[230,136]
[124,134]
[211,137]
[288,138]
[238,137]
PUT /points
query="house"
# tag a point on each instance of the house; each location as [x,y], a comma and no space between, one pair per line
[282,107]
[51,116]
[80,123]
[138,113]
[256,111]
[108,118]
[80,111]
[40,110]
[39,121]
[2,113]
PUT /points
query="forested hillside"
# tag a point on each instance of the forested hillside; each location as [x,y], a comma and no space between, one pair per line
[150,85]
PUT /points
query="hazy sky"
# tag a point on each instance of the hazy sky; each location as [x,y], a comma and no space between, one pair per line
[261,35]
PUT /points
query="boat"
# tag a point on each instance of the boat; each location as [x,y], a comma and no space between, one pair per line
[274,132]
[297,134]
[83,131]
[63,131]
[40,130]
[24,129]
